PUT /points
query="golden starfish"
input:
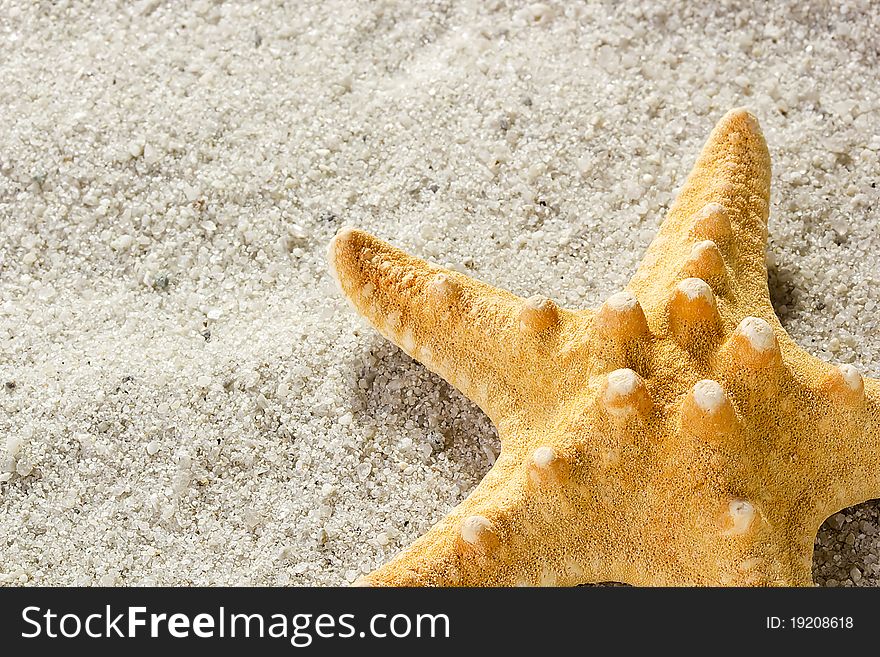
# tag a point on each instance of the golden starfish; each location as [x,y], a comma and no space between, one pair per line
[675,436]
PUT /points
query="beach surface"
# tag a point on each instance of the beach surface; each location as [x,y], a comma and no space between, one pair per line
[185,397]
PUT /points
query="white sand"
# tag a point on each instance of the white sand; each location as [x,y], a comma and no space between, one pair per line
[169,174]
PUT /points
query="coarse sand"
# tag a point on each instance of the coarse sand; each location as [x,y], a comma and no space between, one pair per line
[184,396]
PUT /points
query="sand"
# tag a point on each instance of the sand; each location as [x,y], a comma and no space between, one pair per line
[184,396]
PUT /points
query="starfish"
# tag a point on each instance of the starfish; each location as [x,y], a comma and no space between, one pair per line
[676,436]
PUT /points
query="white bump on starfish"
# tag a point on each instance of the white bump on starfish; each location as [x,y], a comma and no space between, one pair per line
[548,578]
[692,309]
[707,411]
[701,247]
[362,582]
[625,394]
[545,466]
[621,383]
[754,345]
[610,457]
[749,564]
[408,342]
[695,288]
[851,377]
[475,530]
[739,516]
[538,314]
[709,396]
[759,333]
[844,383]
[622,301]
[621,316]
[712,223]
[573,569]
[543,456]
[705,261]
[443,288]
[392,320]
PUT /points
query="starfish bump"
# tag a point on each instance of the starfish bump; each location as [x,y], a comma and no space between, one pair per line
[676,436]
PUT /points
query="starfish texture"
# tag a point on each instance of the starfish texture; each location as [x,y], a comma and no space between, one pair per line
[675,436]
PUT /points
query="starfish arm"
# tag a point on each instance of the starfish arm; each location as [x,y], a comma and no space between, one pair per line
[847,457]
[483,340]
[717,228]
[462,549]
[521,526]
